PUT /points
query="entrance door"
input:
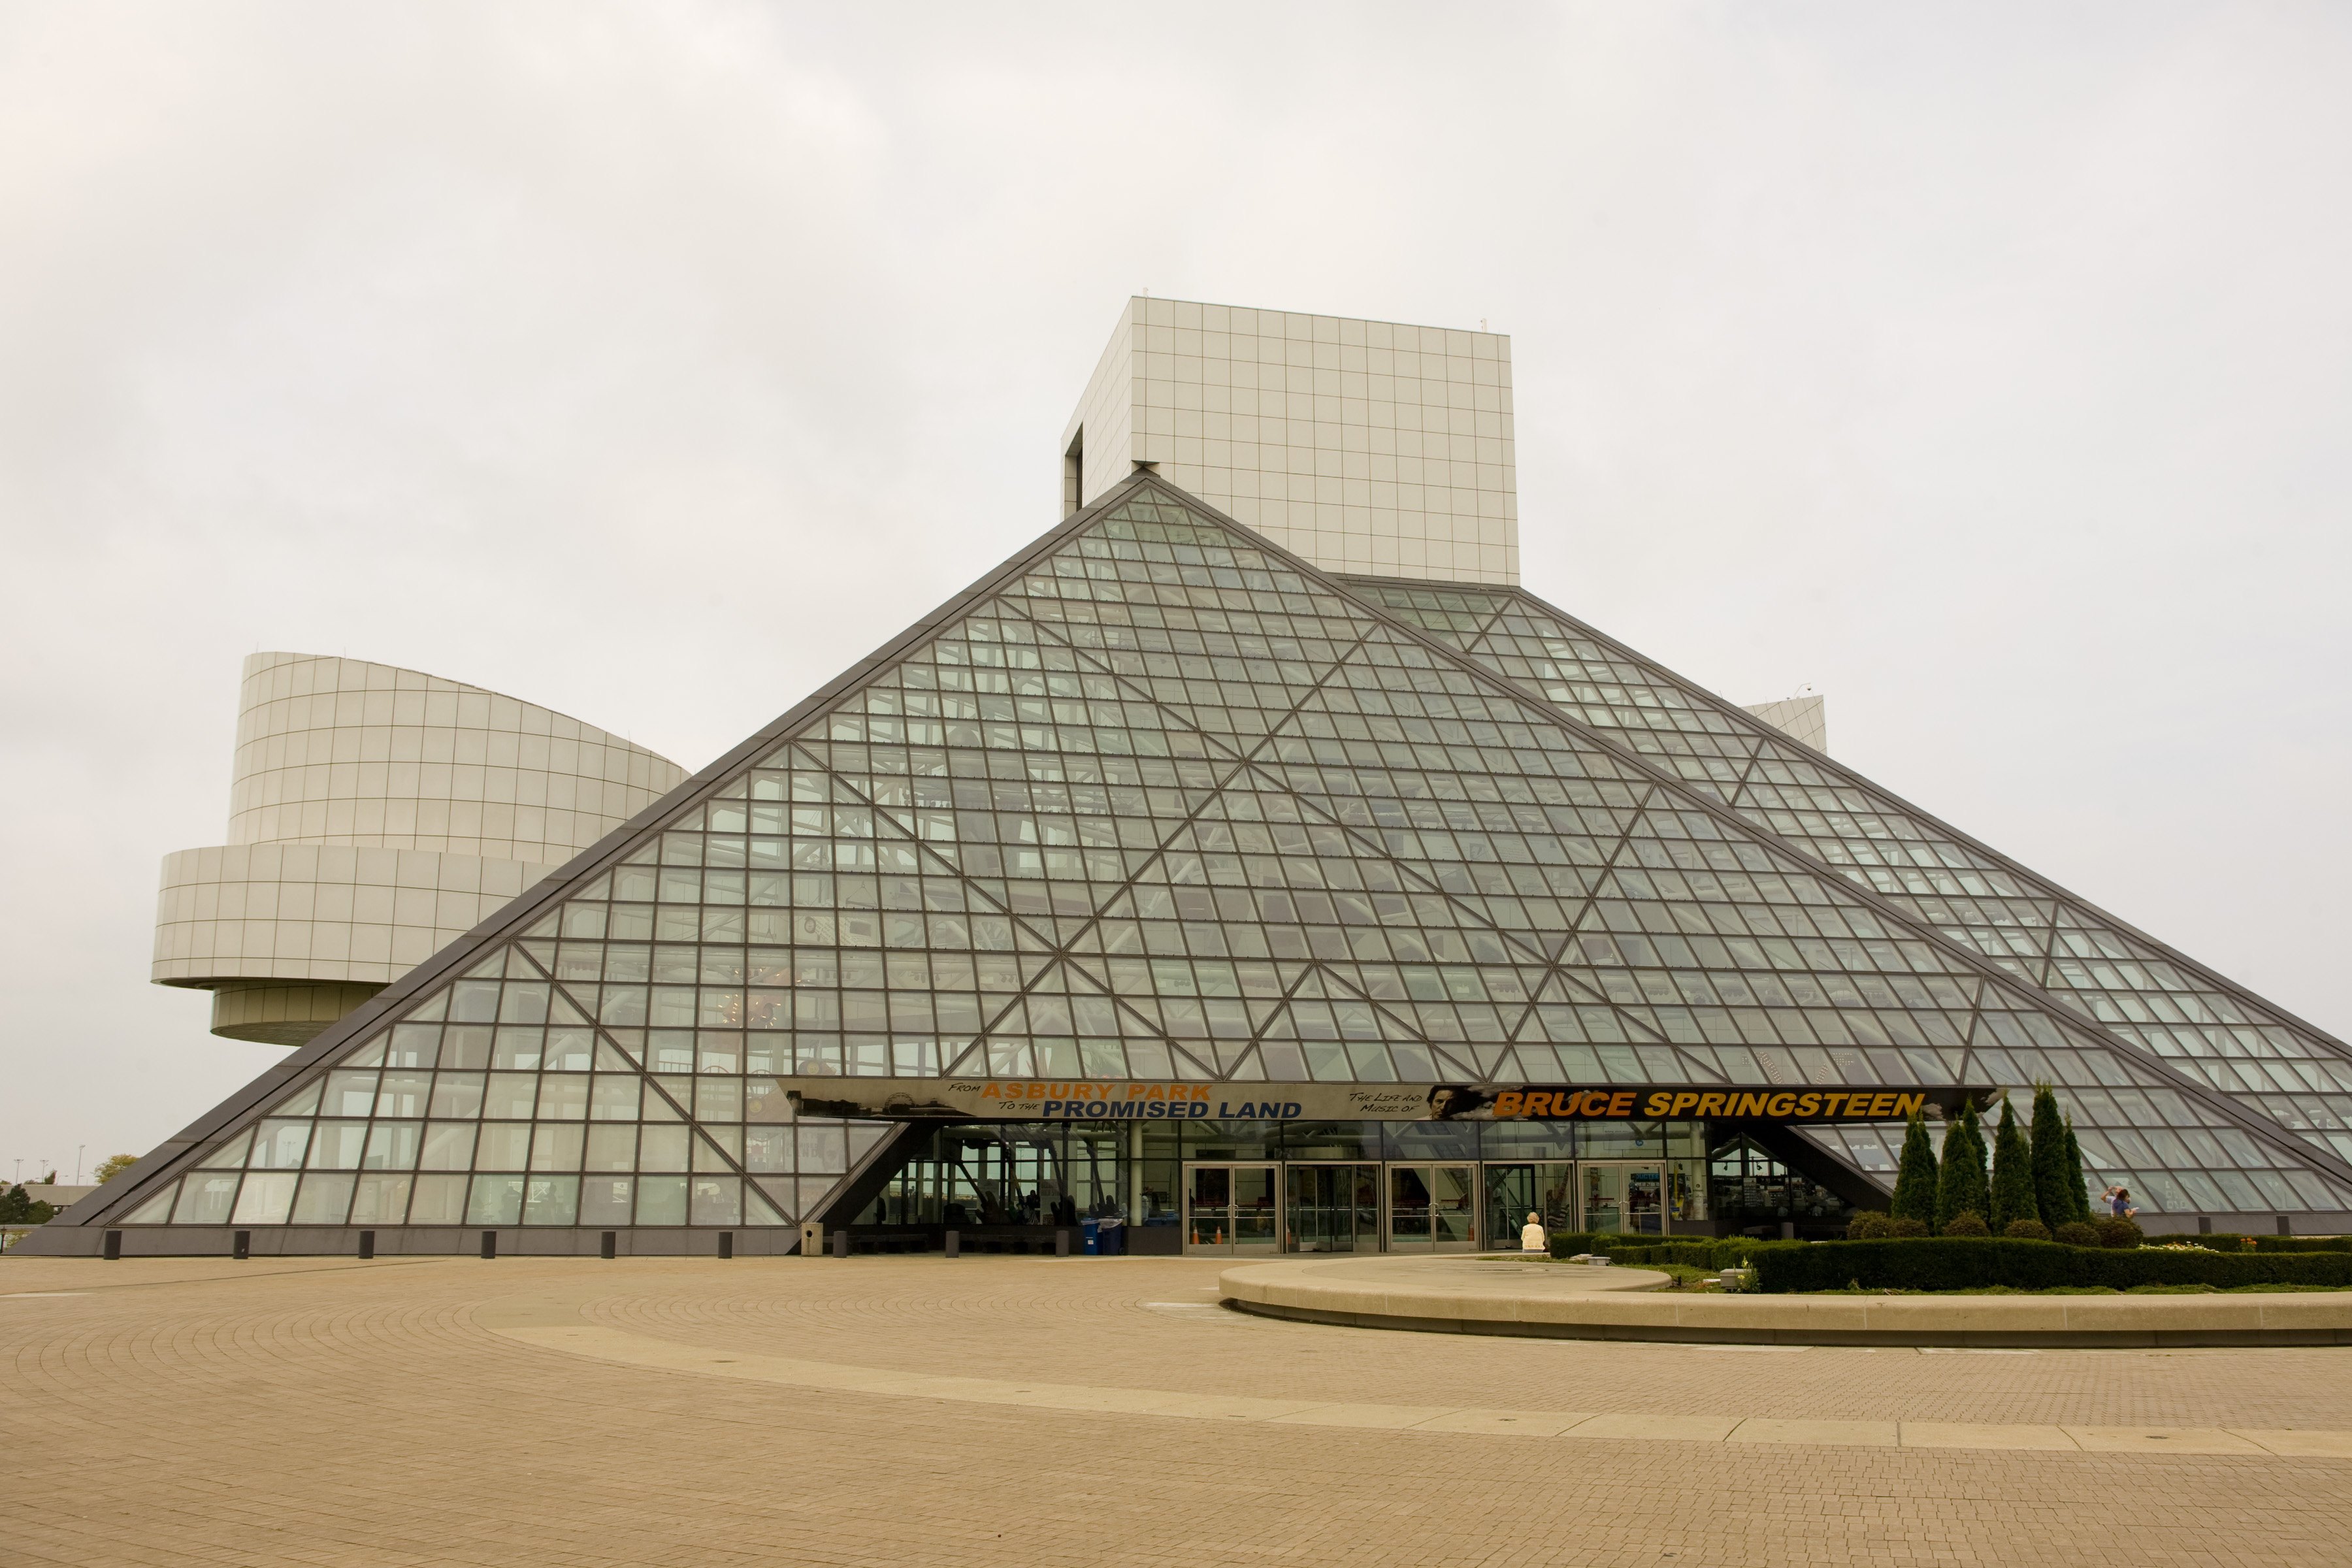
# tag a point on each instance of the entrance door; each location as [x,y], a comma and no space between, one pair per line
[1228,1210]
[1514,1192]
[1628,1199]
[1433,1208]
[1331,1208]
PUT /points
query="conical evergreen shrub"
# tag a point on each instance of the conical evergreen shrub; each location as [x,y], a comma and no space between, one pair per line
[2049,1173]
[1914,1178]
[2012,1173]
[1961,1186]
[2078,1191]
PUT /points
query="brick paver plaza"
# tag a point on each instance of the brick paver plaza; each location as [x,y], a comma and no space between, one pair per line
[1035,1411]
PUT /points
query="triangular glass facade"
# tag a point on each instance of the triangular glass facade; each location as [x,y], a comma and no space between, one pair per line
[1158,801]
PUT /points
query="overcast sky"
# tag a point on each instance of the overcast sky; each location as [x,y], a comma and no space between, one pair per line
[1985,367]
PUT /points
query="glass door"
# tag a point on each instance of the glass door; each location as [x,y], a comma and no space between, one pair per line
[1433,1208]
[1547,1188]
[1624,1199]
[1331,1208]
[1230,1210]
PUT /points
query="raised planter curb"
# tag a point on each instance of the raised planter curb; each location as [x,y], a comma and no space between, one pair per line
[1412,1294]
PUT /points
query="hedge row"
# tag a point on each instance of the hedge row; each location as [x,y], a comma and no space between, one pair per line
[2224,1242]
[1972,1263]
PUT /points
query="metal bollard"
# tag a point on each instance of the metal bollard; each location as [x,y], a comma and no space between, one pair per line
[840,1243]
[490,1244]
[367,1244]
[726,1244]
[241,1244]
[1061,1244]
[2286,1227]
[114,1247]
[611,1245]
[954,1246]
[2204,1225]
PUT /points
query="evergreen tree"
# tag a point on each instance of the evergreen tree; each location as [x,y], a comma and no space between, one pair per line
[2050,1159]
[1960,1187]
[1914,1180]
[2078,1191]
[2013,1173]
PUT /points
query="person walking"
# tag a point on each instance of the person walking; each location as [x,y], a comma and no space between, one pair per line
[1531,1235]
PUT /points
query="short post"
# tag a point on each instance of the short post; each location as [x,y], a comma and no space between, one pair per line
[726,1244]
[2286,1227]
[840,1243]
[490,1244]
[241,1244]
[1061,1244]
[367,1244]
[954,1246]
[2204,1225]
[114,1247]
[610,1247]
[1788,1230]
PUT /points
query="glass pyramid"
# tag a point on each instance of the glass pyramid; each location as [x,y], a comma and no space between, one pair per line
[1156,800]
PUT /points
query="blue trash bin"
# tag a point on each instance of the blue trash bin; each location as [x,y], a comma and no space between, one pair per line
[1112,1235]
[1091,1230]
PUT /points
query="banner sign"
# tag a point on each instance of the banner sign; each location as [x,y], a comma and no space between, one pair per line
[1029,1100]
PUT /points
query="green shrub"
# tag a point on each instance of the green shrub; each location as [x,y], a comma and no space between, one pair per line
[1904,1225]
[2074,1233]
[1916,1174]
[2013,1173]
[1961,1184]
[2051,1175]
[2078,1196]
[1867,1224]
[1976,1263]
[2114,1230]
[2230,1242]
[1968,1222]
[2026,1230]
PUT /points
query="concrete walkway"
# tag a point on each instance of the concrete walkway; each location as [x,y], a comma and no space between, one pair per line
[1085,1413]
[1540,1299]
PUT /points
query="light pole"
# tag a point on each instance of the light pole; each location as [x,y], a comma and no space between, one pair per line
[77,1149]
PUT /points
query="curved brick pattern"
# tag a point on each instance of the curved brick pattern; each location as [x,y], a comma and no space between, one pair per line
[303,1411]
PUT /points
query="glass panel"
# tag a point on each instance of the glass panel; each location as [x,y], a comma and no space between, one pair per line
[1545,1191]
[1254,1212]
[267,1198]
[438,1200]
[1644,1202]
[1604,1198]
[206,1198]
[325,1198]
[496,1201]
[661,1199]
[551,1200]
[379,1200]
[1209,1201]
[717,1200]
[606,1200]
[1453,1206]
[1333,1208]
[1409,1206]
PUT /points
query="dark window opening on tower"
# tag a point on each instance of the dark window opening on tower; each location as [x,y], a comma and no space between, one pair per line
[1073,474]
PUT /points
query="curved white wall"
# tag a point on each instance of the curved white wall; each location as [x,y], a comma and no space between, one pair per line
[376,815]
